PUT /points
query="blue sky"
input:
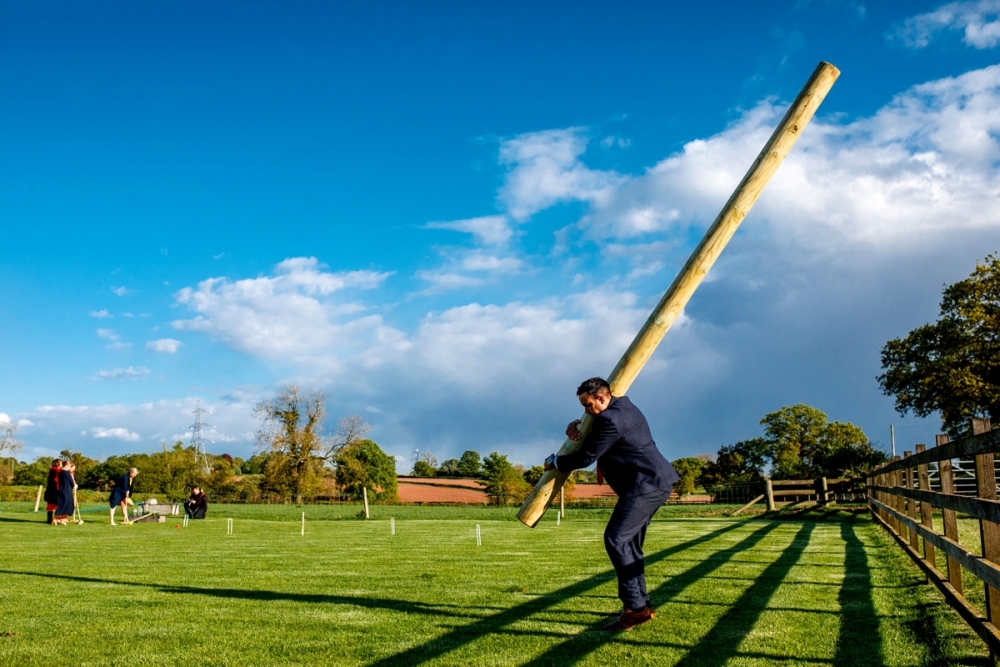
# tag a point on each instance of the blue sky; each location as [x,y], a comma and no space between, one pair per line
[445,215]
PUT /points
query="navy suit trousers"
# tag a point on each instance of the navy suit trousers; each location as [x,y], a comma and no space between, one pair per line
[623,540]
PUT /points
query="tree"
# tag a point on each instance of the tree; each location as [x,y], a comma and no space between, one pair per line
[423,469]
[291,429]
[425,465]
[504,483]
[363,464]
[449,468]
[690,470]
[741,462]
[533,474]
[8,436]
[469,465]
[953,365]
[350,429]
[803,444]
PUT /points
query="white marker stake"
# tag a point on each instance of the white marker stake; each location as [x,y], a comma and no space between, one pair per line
[186,521]
[38,498]
[392,526]
[303,523]
[479,537]
[558,517]
[229,526]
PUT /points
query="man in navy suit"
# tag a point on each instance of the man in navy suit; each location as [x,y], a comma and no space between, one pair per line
[620,442]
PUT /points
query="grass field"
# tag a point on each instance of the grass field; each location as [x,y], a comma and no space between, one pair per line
[833,591]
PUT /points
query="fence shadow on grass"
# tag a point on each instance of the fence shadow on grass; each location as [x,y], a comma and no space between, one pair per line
[859,642]
[578,647]
[446,643]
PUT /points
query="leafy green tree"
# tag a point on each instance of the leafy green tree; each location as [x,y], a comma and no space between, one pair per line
[423,469]
[533,474]
[449,468]
[291,425]
[363,464]
[802,444]
[104,475]
[469,464]
[504,483]
[690,470]
[34,473]
[738,463]
[953,365]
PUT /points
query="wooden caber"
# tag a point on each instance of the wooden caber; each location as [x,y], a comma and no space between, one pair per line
[694,270]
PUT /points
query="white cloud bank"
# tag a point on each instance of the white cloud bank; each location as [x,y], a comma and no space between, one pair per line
[978,21]
[292,315]
[116,433]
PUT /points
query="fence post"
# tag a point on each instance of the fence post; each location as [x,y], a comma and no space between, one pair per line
[925,509]
[769,492]
[950,520]
[911,507]
[896,502]
[364,491]
[824,490]
[989,532]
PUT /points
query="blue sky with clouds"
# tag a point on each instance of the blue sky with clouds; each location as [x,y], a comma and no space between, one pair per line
[445,215]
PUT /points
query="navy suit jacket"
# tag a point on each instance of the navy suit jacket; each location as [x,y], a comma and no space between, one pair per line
[620,442]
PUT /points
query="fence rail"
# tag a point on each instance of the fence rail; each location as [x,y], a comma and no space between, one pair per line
[902,497]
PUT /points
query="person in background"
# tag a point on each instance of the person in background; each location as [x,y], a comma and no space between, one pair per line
[121,495]
[64,504]
[197,504]
[52,490]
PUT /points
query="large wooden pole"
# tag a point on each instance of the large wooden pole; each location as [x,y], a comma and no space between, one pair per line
[692,273]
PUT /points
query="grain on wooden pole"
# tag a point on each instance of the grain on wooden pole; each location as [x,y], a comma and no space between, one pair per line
[949,518]
[989,532]
[926,516]
[911,507]
[693,272]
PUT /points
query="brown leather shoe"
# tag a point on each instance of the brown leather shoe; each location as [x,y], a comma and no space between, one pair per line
[629,619]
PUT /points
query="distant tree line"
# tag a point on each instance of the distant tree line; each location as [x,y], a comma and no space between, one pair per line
[799,442]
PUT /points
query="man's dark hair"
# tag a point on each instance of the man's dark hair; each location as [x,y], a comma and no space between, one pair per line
[593,386]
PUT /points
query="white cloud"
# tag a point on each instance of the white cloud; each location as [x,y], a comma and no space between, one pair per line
[58,427]
[978,20]
[116,433]
[108,334]
[291,315]
[923,166]
[488,230]
[4,418]
[122,373]
[442,280]
[120,291]
[103,313]
[164,345]
[25,423]
[545,169]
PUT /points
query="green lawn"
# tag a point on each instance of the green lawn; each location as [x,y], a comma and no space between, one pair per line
[728,591]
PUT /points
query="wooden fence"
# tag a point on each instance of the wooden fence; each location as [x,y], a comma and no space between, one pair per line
[903,500]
